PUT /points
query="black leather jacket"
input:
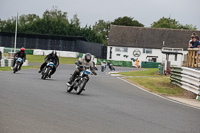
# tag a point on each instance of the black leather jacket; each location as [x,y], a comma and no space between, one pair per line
[21,55]
[55,59]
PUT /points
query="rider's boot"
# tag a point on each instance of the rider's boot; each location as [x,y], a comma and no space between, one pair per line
[69,83]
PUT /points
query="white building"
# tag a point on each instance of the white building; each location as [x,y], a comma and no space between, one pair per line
[127,43]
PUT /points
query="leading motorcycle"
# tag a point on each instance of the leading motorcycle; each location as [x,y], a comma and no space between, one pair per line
[80,81]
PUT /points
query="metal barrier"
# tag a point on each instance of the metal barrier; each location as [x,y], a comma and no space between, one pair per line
[9,62]
[186,78]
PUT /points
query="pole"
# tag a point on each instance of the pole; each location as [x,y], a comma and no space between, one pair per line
[15,34]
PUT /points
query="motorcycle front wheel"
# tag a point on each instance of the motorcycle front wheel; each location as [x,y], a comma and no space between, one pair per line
[81,86]
[45,73]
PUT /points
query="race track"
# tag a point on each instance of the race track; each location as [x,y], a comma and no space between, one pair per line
[29,104]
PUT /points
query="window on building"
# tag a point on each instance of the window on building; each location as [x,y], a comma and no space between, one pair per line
[147,51]
[121,49]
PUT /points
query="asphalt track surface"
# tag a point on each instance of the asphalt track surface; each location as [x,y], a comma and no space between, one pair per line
[29,104]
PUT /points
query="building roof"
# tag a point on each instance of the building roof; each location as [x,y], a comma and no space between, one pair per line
[140,37]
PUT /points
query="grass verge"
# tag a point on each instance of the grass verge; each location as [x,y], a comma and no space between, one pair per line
[40,59]
[151,81]
[23,67]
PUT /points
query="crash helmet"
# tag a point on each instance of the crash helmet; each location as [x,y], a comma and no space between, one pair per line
[88,57]
[53,53]
[22,50]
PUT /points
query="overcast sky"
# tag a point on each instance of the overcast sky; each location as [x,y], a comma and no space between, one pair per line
[90,11]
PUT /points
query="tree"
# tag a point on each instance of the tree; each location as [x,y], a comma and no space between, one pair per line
[127,21]
[75,21]
[102,28]
[25,22]
[53,22]
[91,35]
[8,25]
[188,27]
[171,23]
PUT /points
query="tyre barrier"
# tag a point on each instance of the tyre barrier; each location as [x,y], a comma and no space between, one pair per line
[186,78]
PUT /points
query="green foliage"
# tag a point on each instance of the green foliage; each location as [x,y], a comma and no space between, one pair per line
[171,23]
[127,21]
[91,35]
[75,21]
[53,22]
[102,29]
[8,25]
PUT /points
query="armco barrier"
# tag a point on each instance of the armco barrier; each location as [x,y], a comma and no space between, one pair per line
[186,78]
[9,62]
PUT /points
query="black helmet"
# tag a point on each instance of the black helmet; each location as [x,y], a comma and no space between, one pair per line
[53,53]
[88,57]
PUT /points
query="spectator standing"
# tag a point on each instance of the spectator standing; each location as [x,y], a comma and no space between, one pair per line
[136,63]
[195,34]
[194,43]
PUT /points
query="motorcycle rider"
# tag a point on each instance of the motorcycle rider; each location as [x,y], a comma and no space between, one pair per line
[103,66]
[19,54]
[110,66]
[53,58]
[83,62]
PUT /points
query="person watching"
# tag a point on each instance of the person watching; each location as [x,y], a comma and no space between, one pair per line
[194,43]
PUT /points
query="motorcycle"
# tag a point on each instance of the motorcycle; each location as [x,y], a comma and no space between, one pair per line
[80,81]
[46,72]
[17,65]
[103,67]
[111,67]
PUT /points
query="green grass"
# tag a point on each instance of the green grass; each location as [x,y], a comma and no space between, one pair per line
[23,67]
[153,82]
[143,72]
[40,59]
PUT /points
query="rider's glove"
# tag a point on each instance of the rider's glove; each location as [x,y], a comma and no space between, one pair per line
[80,68]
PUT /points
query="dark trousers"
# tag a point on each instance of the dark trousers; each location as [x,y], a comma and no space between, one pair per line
[76,72]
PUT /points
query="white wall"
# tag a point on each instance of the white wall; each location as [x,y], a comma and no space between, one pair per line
[143,56]
[59,53]
[2,49]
